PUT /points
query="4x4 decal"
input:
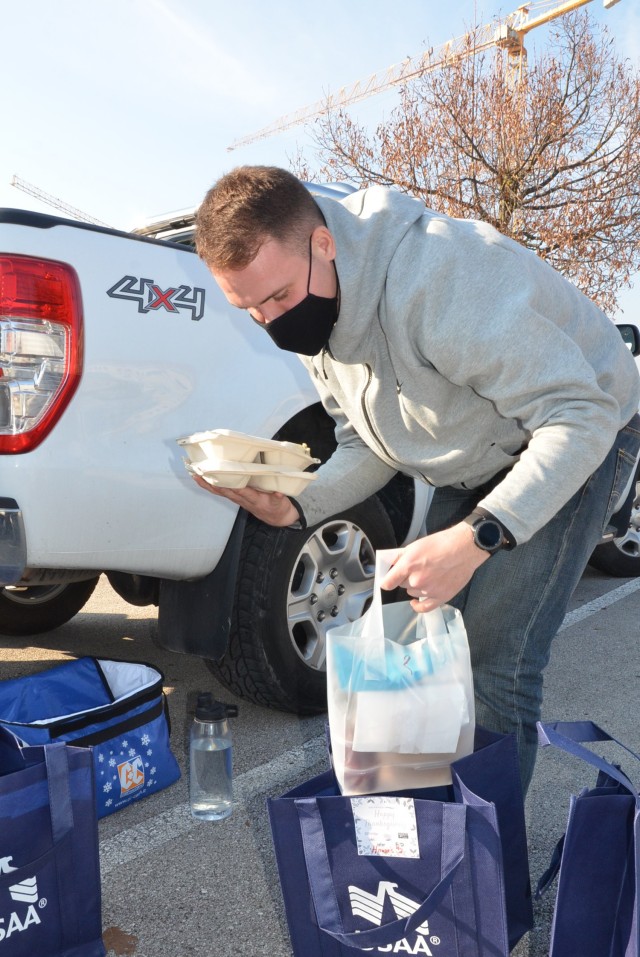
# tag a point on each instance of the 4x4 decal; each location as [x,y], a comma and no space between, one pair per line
[150,297]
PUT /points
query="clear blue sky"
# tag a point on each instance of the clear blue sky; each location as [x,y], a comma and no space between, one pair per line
[124,108]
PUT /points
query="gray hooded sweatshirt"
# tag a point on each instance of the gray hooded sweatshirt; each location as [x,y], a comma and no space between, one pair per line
[458,354]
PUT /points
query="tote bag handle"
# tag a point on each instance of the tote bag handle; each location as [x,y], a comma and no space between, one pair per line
[60,805]
[565,736]
[16,758]
[323,891]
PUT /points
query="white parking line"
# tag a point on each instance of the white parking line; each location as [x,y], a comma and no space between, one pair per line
[579,614]
[137,841]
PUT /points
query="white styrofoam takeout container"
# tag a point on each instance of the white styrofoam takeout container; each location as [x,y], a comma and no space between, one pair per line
[229,446]
[223,474]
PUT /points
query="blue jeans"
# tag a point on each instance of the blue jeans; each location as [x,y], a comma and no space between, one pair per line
[515,602]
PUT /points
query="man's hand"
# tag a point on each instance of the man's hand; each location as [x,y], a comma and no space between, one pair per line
[274,508]
[435,568]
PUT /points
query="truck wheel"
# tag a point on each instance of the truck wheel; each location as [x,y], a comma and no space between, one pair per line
[621,557]
[292,587]
[38,608]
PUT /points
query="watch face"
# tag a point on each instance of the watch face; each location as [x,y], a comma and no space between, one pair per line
[488,535]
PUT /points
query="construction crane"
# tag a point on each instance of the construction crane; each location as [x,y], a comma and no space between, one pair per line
[506,33]
[54,201]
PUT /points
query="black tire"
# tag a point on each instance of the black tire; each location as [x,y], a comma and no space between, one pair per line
[292,586]
[30,611]
[621,557]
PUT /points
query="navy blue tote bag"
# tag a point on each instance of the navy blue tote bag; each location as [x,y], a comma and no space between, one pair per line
[597,861]
[50,904]
[468,888]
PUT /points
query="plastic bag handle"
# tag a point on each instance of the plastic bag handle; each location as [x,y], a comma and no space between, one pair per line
[565,736]
[436,634]
[323,891]
[373,624]
[435,626]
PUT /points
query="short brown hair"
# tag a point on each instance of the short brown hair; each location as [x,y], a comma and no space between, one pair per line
[248,206]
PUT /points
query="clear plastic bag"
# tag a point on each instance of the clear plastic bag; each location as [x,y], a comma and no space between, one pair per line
[400,696]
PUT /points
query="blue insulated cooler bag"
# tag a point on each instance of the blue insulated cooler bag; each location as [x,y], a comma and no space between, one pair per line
[464,890]
[117,708]
[597,861]
[49,868]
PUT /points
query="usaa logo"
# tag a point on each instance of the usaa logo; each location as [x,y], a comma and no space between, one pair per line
[24,892]
[371,906]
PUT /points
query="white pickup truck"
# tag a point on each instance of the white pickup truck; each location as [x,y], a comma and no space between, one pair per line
[112,346]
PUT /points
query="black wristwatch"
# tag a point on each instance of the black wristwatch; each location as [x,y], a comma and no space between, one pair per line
[488,533]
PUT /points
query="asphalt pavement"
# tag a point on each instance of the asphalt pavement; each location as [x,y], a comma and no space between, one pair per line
[174,887]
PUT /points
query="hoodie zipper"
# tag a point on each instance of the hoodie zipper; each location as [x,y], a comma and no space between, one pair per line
[365,411]
[373,432]
[367,417]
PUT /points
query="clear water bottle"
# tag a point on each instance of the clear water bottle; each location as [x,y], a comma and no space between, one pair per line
[210,759]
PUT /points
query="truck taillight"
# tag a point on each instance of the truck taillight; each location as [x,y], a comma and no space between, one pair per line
[40,347]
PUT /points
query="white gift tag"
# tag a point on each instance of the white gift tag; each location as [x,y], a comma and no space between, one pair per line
[385,826]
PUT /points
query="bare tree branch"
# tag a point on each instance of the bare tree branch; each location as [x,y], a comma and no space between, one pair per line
[552,160]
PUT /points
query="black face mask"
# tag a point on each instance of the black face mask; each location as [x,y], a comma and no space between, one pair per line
[306,327]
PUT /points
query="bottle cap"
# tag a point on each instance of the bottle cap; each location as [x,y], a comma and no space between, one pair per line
[208,709]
